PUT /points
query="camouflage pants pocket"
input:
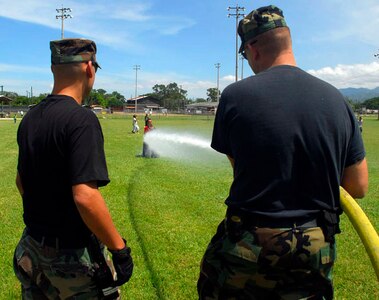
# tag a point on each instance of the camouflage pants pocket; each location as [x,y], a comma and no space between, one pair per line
[324,261]
[26,269]
[70,272]
[267,263]
[49,273]
[23,265]
[227,264]
[240,259]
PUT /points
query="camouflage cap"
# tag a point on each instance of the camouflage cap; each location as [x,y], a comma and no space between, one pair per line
[259,21]
[68,51]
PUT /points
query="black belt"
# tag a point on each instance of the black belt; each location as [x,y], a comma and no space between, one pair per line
[284,223]
[59,242]
[253,220]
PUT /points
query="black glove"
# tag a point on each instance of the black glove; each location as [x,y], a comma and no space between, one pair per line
[123,264]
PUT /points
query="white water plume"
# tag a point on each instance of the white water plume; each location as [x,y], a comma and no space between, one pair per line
[179,145]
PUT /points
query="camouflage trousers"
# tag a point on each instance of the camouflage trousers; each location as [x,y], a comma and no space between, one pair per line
[267,263]
[50,273]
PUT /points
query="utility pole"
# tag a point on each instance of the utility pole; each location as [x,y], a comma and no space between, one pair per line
[236,14]
[136,67]
[28,97]
[242,61]
[63,14]
[218,65]
[2,107]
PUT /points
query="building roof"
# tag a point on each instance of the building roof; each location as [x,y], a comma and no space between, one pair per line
[146,100]
[143,97]
[203,104]
[5,99]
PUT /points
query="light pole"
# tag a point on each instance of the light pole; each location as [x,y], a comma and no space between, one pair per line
[236,14]
[63,14]
[218,65]
[136,67]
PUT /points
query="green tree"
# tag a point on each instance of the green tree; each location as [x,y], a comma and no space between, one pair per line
[23,100]
[170,96]
[11,95]
[96,97]
[352,104]
[40,98]
[115,99]
[372,103]
[212,94]
[20,100]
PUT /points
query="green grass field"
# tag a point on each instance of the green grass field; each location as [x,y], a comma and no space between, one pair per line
[169,209]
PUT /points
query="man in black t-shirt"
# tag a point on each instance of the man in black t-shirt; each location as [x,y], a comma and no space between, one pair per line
[61,165]
[292,140]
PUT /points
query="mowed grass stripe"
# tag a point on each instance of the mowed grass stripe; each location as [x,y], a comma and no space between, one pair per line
[168,210]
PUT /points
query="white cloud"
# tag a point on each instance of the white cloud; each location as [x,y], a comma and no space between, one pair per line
[126,20]
[229,78]
[357,21]
[343,76]
[172,26]
[22,69]
[134,12]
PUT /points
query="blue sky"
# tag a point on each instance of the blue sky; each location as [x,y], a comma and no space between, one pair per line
[181,41]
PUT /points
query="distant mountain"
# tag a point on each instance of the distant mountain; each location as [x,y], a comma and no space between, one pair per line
[360,94]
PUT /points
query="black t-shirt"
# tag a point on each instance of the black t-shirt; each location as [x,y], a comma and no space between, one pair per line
[60,144]
[291,136]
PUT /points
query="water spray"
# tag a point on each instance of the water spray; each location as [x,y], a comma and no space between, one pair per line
[183,146]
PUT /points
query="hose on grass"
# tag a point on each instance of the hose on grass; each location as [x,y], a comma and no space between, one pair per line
[363,227]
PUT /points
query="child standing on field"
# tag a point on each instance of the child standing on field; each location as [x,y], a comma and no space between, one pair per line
[146,151]
[360,123]
[135,125]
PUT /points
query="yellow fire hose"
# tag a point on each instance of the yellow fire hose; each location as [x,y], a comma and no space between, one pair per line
[363,227]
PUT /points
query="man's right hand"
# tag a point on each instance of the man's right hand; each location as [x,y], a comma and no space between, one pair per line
[123,264]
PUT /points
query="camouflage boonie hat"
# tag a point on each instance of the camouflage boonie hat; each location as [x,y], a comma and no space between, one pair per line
[259,21]
[68,51]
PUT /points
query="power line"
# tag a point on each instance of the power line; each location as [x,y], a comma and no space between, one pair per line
[236,14]
[63,14]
